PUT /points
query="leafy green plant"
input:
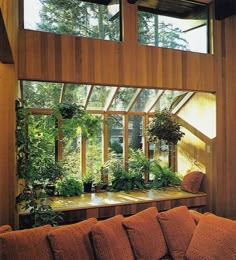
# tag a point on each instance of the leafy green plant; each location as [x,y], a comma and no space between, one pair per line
[70,110]
[34,200]
[31,169]
[164,127]
[126,180]
[89,124]
[137,161]
[69,187]
[163,176]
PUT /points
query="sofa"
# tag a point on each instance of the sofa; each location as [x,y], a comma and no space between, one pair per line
[177,233]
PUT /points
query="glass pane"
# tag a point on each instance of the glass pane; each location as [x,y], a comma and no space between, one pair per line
[94,157]
[115,135]
[98,97]
[145,100]
[135,132]
[122,99]
[71,143]
[41,94]
[175,33]
[75,93]
[79,18]
[167,99]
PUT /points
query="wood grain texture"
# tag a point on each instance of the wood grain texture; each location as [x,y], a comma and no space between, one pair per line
[225,180]
[108,204]
[126,63]
[8,84]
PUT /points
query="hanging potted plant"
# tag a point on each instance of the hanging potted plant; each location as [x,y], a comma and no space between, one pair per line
[69,110]
[164,127]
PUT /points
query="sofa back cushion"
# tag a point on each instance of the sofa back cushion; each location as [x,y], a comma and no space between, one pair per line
[178,227]
[26,244]
[5,229]
[72,241]
[145,234]
[110,240]
[214,238]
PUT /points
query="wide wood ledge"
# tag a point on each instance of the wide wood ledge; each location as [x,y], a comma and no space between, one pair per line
[107,204]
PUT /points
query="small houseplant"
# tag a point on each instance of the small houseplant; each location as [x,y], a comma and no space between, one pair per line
[69,186]
[163,176]
[88,180]
[70,110]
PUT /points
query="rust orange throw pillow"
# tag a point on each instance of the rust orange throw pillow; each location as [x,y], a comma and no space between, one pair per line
[177,226]
[26,244]
[192,182]
[72,241]
[196,215]
[214,238]
[145,234]
[110,240]
[5,229]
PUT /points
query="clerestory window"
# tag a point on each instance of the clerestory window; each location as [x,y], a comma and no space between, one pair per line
[93,19]
[186,30]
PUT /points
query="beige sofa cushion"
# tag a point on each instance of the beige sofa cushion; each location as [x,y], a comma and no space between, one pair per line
[145,235]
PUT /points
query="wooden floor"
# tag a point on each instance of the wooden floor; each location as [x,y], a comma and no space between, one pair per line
[107,204]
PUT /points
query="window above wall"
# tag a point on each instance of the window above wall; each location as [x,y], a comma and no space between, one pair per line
[174,24]
[93,19]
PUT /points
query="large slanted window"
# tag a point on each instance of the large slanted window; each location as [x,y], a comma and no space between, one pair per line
[94,19]
[182,27]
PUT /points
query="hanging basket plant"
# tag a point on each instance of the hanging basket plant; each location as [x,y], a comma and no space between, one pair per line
[70,110]
[164,127]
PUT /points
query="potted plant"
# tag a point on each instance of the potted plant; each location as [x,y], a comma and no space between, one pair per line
[164,127]
[69,186]
[163,176]
[69,110]
[88,180]
[139,163]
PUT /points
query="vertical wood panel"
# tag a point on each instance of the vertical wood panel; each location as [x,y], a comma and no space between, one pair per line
[8,83]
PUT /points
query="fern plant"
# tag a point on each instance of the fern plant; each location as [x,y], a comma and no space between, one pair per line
[163,176]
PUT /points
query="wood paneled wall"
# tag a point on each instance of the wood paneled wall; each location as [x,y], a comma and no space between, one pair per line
[224,182]
[51,57]
[8,84]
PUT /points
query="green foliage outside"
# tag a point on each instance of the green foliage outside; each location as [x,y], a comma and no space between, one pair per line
[78,18]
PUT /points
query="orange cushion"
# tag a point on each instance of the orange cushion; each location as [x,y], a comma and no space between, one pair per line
[196,215]
[5,229]
[72,241]
[192,182]
[214,238]
[177,226]
[110,240]
[145,234]
[26,244]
